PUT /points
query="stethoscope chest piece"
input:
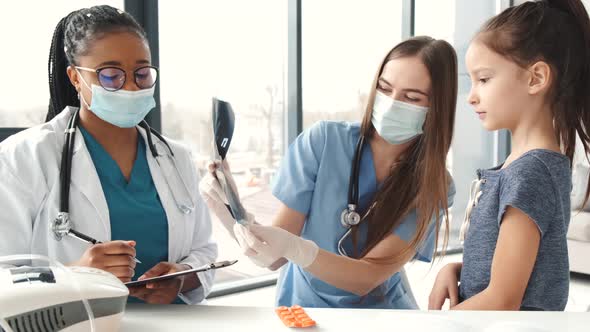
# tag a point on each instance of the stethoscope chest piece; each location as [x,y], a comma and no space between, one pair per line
[61,226]
[350,217]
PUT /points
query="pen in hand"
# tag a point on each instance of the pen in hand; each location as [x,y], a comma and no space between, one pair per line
[88,239]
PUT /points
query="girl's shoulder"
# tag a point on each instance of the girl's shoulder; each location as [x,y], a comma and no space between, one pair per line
[538,164]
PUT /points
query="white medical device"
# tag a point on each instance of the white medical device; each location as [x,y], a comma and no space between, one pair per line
[49,297]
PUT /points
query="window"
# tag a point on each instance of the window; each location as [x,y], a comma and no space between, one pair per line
[456,21]
[343,44]
[435,19]
[25,40]
[234,50]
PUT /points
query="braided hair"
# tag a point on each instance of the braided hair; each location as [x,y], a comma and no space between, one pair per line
[73,36]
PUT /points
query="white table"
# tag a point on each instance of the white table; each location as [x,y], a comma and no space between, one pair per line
[146,318]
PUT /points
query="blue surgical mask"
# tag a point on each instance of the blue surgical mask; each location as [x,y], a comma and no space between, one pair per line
[397,122]
[121,108]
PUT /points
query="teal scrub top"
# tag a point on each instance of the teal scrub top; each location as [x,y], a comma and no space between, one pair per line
[135,210]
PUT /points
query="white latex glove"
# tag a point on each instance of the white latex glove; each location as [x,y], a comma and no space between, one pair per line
[270,260]
[264,242]
[215,198]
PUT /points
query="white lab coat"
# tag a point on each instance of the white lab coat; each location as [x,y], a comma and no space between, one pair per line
[29,201]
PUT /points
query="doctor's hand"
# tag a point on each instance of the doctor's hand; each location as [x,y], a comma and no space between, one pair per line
[271,260]
[115,257]
[445,287]
[161,292]
[267,243]
[215,198]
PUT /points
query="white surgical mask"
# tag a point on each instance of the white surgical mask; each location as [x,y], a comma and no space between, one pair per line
[397,122]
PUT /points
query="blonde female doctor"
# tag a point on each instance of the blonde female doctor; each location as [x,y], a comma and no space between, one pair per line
[120,183]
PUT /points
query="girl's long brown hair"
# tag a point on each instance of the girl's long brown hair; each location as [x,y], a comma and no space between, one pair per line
[557,32]
[419,179]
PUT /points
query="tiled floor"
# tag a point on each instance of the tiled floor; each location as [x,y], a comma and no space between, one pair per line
[421,276]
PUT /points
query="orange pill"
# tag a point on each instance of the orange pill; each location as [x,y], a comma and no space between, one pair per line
[294,316]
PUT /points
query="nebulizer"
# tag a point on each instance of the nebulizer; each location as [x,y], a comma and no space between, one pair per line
[38,293]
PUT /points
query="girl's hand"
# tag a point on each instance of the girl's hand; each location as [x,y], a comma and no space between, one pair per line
[445,287]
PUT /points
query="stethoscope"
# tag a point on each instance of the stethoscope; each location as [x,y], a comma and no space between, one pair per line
[350,217]
[62,225]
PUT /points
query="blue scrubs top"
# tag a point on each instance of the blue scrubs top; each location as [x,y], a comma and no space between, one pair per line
[313,180]
[135,210]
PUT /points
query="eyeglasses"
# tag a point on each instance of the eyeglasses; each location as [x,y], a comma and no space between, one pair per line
[114,78]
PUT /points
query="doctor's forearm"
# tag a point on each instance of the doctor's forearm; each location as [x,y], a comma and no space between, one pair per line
[190,283]
[356,276]
[291,221]
[294,229]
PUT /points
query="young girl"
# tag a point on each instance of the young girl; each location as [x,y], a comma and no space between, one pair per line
[401,184]
[530,74]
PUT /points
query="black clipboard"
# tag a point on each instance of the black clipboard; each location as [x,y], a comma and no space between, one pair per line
[212,266]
